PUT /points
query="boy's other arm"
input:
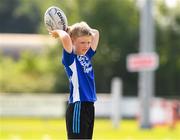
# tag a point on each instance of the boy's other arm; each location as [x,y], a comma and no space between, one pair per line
[64,38]
[95,39]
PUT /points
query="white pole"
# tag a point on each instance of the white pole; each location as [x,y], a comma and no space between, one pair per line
[146,78]
[116,95]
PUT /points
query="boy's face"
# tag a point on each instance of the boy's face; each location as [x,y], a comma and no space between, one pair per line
[82,44]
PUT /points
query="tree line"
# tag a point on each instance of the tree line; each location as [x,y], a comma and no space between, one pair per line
[118,23]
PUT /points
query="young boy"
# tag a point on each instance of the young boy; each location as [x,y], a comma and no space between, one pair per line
[79,45]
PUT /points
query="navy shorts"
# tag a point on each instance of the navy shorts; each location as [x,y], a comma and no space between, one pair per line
[80,120]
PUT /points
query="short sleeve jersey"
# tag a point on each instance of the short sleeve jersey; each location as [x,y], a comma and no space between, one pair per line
[81,76]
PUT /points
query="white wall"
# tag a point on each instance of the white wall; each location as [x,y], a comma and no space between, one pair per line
[54,105]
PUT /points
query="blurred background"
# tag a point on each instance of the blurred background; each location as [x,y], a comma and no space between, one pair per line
[34,87]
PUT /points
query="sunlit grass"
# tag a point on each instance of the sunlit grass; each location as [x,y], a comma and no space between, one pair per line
[54,129]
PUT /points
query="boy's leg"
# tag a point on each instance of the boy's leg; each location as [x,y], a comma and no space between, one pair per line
[87,117]
[73,120]
[80,120]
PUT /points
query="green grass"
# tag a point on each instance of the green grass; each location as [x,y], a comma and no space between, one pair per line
[54,129]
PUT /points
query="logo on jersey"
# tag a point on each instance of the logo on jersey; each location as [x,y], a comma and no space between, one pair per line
[86,63]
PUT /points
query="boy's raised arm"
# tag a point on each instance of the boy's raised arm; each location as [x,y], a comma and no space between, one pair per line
[95,39]
[64,38]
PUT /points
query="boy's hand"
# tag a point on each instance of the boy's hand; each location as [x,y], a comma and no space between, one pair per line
[54,33]
[68,29]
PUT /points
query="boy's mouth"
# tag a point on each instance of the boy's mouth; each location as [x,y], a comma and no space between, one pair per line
[84,50]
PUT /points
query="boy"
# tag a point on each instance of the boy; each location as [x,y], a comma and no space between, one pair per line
[79,46]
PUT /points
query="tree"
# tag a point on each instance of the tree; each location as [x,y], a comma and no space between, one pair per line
[168,34]
[19,16]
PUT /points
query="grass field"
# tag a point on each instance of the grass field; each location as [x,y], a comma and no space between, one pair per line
[54,129]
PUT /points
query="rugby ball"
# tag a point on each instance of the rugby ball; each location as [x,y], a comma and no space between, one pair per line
[55,18]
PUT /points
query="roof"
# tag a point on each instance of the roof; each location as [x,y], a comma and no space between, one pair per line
[26,40]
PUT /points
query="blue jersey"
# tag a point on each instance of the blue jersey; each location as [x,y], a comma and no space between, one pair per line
[81,76]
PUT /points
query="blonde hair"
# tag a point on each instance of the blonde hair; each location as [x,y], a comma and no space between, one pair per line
[79,29]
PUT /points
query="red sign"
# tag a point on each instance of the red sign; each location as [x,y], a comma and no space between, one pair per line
[142,62]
